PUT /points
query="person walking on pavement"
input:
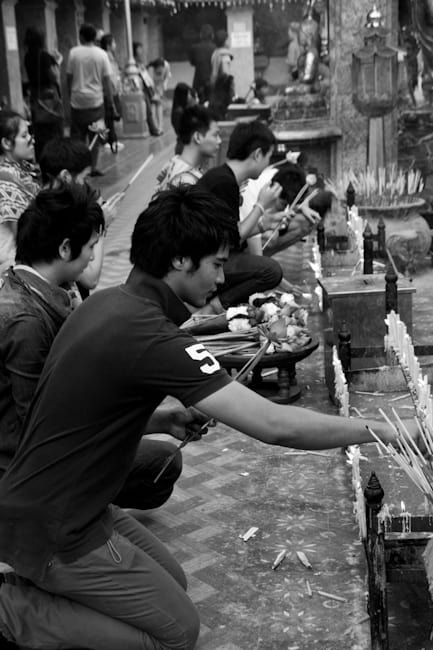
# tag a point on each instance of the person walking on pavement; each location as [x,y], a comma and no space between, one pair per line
[88,77]
[200,57]
[221,57]
[43,72]
[147,86]
[112,111]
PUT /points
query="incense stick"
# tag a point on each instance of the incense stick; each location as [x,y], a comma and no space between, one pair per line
[251,363]
[301,192]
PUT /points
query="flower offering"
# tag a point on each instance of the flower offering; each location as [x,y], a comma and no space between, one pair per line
[285,321]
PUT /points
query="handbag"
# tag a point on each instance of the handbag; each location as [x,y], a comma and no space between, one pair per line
[48,107]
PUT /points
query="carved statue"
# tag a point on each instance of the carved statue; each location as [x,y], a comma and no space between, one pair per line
[303,55]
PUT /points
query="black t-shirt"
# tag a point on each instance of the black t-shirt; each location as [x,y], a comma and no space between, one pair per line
[222,182]
[112,363]
[38,67]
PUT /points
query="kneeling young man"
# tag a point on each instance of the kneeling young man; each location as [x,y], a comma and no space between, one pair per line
[112,363]
[200,137]
[250,149]
[56,238]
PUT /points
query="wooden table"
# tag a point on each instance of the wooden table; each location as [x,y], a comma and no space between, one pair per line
[283,391]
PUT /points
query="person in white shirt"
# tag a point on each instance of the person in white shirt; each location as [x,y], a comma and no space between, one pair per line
[300,220]
[88,77]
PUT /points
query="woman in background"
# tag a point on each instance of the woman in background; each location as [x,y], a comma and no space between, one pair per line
[43,73]
[160,70]
[19,179]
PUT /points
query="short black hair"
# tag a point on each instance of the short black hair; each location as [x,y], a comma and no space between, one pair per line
[180,222]
[106,41]
[206,32]
[194,118]
[87,33]
[63,153]
[291,177]
[34,39]
[68,212]
[261,83]
[220,37]
[135,46]
[9,125]
[246,137]
[157,63]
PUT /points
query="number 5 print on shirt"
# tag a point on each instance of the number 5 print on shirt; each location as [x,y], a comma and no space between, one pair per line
[198,352]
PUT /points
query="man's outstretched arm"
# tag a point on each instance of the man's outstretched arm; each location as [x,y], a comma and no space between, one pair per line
[288,426]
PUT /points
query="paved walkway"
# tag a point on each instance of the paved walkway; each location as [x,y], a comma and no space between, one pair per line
[298,501]
[118,169]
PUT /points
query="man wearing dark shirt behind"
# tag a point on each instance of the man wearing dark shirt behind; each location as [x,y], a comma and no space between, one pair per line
[56,237]
[200,57]
[250,149]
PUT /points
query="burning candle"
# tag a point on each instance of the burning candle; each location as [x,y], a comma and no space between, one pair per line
[405,519]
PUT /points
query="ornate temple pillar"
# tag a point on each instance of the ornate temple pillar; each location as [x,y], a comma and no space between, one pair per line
[10,73]
[241,41]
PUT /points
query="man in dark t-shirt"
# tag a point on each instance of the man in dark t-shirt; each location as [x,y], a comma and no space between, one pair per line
[112,363]
[250,148]
[200,57]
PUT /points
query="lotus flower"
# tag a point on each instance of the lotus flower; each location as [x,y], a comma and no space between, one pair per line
[239,324]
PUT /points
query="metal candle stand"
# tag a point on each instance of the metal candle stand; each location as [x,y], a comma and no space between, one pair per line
[393,554]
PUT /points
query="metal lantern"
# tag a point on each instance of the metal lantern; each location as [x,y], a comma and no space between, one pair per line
[375,71]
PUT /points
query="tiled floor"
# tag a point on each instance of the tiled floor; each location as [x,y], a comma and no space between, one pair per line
[298,501]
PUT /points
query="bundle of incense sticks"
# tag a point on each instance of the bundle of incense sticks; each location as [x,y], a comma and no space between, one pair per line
[340,383]
[399,343]
[408,455]
[353,452]
[240,375]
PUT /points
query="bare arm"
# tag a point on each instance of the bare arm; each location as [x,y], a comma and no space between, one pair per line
[108,88]
[287,426]
[265,200]
[69,84]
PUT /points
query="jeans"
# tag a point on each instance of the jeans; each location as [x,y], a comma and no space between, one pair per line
[128,594]
[139,490]
[81,119]
[246,274]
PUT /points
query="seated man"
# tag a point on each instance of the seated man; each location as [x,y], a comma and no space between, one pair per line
[65,164]
[199,134]
[56,238]
[250,149]
[69,161]
[299,221]
[115,582]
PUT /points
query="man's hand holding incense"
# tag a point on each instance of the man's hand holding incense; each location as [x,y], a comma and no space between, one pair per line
[268,195]
[389,434]
[310,215]
[177,420]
